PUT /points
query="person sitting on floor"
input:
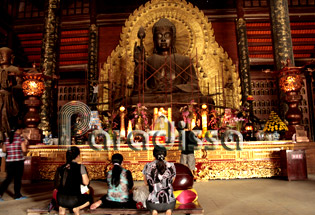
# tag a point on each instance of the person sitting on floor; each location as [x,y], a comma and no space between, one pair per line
[68,180]
[159,175]
[120,184]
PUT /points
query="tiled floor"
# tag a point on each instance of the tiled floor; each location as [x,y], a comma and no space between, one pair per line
[228,197]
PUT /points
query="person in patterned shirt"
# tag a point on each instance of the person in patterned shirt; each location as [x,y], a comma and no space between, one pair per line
[159,175]
[120,185]
[15,145]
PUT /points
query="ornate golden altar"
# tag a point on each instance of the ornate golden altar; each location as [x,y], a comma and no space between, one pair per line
[254,160]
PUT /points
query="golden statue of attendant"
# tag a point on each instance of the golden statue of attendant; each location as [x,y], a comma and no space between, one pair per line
[9,79]
[165,77]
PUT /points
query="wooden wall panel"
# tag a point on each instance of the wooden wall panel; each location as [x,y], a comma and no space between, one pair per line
[225,35]
[108,40]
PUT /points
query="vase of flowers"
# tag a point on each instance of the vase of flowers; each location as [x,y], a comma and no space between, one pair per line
[140,119]
[275,125]
[188,113]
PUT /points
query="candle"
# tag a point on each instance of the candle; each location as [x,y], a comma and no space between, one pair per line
[204,114]
[192,124]
[129,127]
[155,114]
[122,121]
[169,114]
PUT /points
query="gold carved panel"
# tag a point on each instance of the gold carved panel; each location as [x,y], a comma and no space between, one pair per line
[256,159]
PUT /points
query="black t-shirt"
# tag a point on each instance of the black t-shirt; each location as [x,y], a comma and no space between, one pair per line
[68,179]
[189,144]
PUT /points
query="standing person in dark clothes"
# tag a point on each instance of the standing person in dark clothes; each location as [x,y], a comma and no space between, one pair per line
[120,184]
[68,180]
[15,145]
[188,144]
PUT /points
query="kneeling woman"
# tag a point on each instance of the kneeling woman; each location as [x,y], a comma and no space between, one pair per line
[159,175]
[120,183]
[68,179]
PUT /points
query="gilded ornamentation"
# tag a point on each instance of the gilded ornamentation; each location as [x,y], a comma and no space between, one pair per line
[233,170]
[47,171]
[48,61]
[256,159]
[194,38]
[96,171]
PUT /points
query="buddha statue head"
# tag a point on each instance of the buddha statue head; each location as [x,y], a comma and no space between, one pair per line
[164,36]
[6,57]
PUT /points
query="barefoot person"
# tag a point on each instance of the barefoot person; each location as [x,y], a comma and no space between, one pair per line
[69,178]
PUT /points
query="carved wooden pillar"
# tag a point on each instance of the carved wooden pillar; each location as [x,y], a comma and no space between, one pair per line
[92,63]
[93,59]
[282,42]
[243,53]
[49,60]
[281,33]
[309,72]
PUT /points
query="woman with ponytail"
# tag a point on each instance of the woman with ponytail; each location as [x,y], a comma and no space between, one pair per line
[68,180]
[120,184]
[15,145]
[159,176]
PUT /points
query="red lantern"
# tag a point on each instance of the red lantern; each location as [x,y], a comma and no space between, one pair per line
[33,87]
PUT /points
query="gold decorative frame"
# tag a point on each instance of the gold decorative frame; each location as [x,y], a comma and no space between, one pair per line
[255,160]
[194,38]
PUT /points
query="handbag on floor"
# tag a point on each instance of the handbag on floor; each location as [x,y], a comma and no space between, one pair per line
[140,195]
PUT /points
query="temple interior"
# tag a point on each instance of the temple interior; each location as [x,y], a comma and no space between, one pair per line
[120,76]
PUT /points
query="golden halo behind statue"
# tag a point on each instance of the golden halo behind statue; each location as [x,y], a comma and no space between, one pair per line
[190,23]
